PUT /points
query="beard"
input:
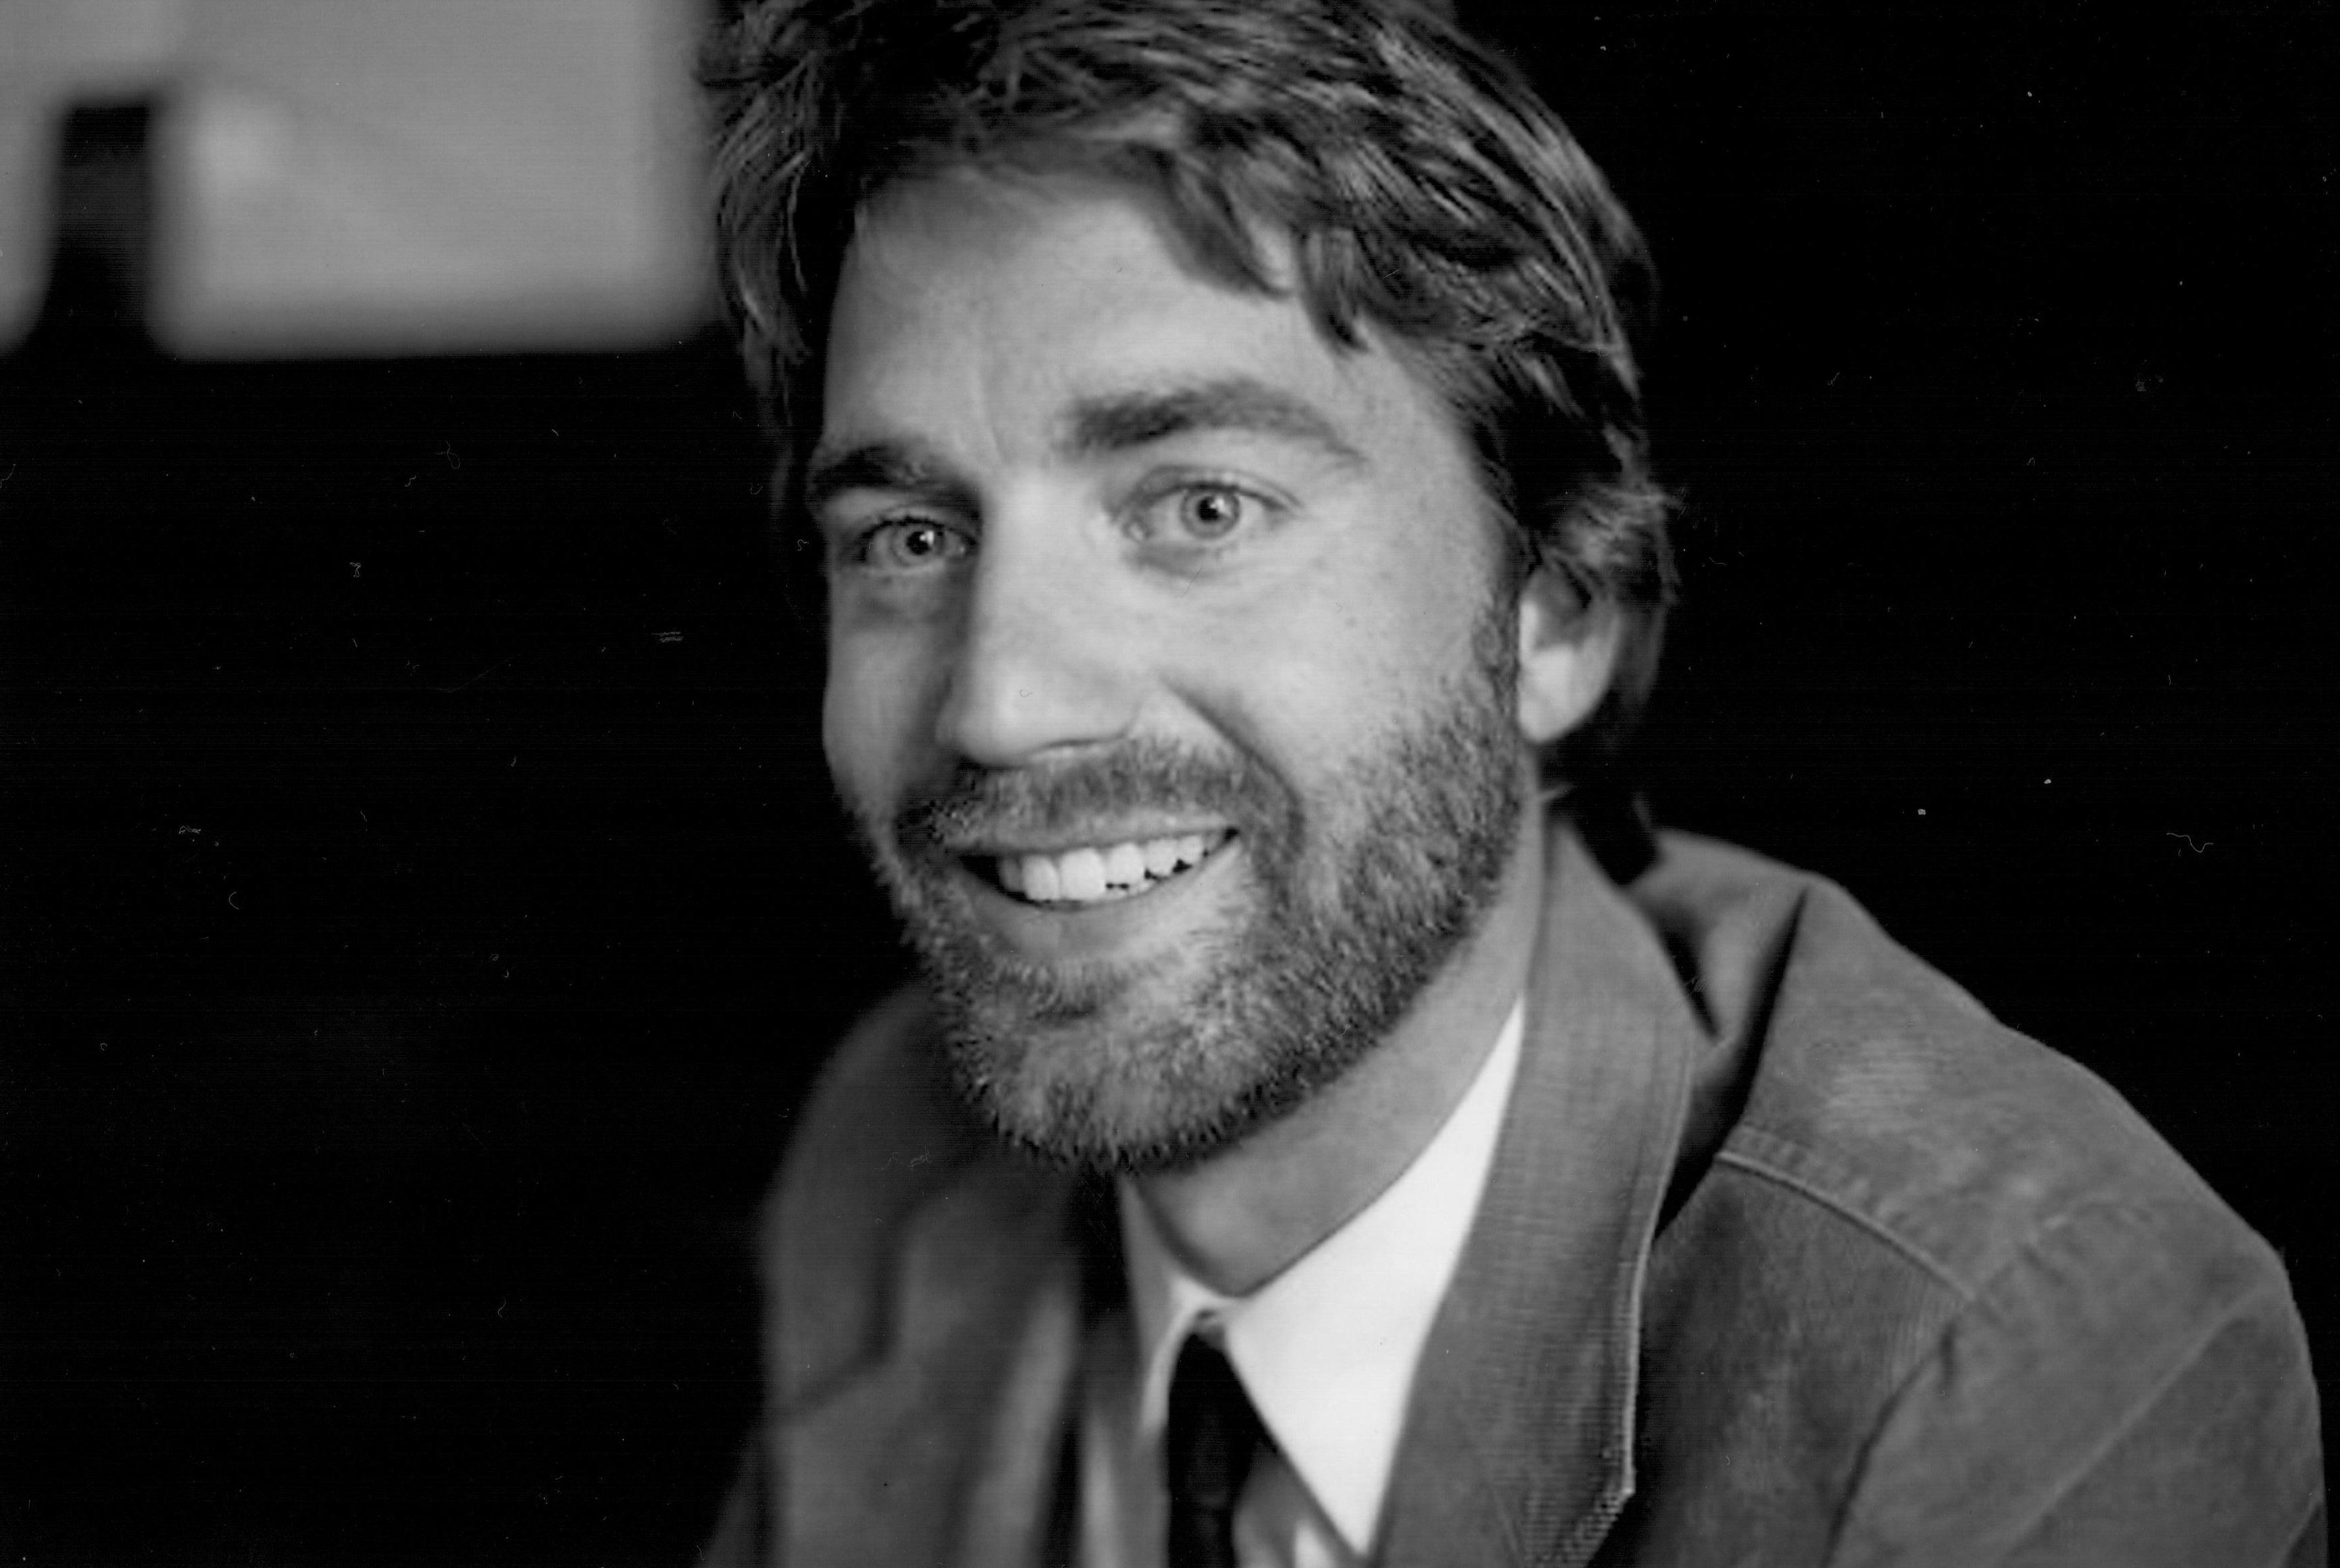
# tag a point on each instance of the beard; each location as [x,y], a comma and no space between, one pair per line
[1353,900]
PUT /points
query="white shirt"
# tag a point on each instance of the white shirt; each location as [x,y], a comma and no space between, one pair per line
[1326,1350]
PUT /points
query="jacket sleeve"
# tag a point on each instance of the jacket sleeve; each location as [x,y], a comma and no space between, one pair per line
[2131,1386]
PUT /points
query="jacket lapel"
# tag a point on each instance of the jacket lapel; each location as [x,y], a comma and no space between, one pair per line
[944,1448]
[1518,1446]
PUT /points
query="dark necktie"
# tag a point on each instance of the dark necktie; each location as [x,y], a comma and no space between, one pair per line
[1208,1448]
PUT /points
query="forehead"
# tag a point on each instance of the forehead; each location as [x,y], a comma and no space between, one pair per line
[973,300]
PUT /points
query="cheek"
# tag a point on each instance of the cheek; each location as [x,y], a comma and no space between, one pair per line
[1316,685]
[875,722]
[1399,628]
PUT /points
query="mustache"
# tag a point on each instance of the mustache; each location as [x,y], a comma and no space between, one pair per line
[1138,777]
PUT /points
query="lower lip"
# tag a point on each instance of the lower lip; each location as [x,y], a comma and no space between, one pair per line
[1065,931]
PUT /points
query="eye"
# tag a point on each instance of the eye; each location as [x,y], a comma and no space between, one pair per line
[908,544]
[1207,512]
[1212,512]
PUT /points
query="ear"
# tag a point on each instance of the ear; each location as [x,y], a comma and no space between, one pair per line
[1568,652]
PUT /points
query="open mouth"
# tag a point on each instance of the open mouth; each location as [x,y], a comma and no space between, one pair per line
[1100,873]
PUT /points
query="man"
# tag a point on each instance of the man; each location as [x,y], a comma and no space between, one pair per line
[1330,1130]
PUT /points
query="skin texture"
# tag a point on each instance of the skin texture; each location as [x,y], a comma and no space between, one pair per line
[1117,552]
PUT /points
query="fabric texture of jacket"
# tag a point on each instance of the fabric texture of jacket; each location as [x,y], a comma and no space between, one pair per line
[1790,1254]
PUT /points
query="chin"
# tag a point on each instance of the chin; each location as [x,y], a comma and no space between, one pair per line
[1120,1086]
[1162,1073]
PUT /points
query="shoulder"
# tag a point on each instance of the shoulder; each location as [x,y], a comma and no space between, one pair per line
[881,1114]
[880,1134]
[2056,1308]
[1865,1080]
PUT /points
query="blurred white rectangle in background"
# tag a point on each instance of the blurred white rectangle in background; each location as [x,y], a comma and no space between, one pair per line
[54,54]
[379,176]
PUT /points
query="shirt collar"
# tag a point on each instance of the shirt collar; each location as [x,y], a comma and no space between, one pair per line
[1327,1349]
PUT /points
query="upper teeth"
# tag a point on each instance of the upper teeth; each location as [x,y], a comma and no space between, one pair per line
[1087,876]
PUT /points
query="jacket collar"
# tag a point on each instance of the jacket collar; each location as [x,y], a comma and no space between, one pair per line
[1519,1447]
[943,1447]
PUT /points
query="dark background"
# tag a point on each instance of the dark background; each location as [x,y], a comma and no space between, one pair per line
[422,905]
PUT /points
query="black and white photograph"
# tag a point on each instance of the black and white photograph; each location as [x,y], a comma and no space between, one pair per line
[1167,783]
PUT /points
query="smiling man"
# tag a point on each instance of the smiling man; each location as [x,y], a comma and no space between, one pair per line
[1172,680]
[1328,1130]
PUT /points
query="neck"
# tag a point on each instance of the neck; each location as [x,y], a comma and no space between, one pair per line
[1241,1217]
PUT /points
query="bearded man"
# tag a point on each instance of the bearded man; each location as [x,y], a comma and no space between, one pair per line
[1329,1130]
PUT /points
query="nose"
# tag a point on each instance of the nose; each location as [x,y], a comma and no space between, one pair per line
[1044,662]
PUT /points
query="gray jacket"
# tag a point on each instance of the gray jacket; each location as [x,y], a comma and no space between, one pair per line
[1791,1254]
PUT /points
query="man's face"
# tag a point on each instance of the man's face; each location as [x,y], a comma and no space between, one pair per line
[1169,677]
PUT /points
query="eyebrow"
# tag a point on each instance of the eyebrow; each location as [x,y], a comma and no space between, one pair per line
[1114,423]
[1099,425]
[905,467]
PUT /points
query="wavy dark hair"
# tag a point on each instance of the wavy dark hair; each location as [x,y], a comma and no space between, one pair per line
[1423,186]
